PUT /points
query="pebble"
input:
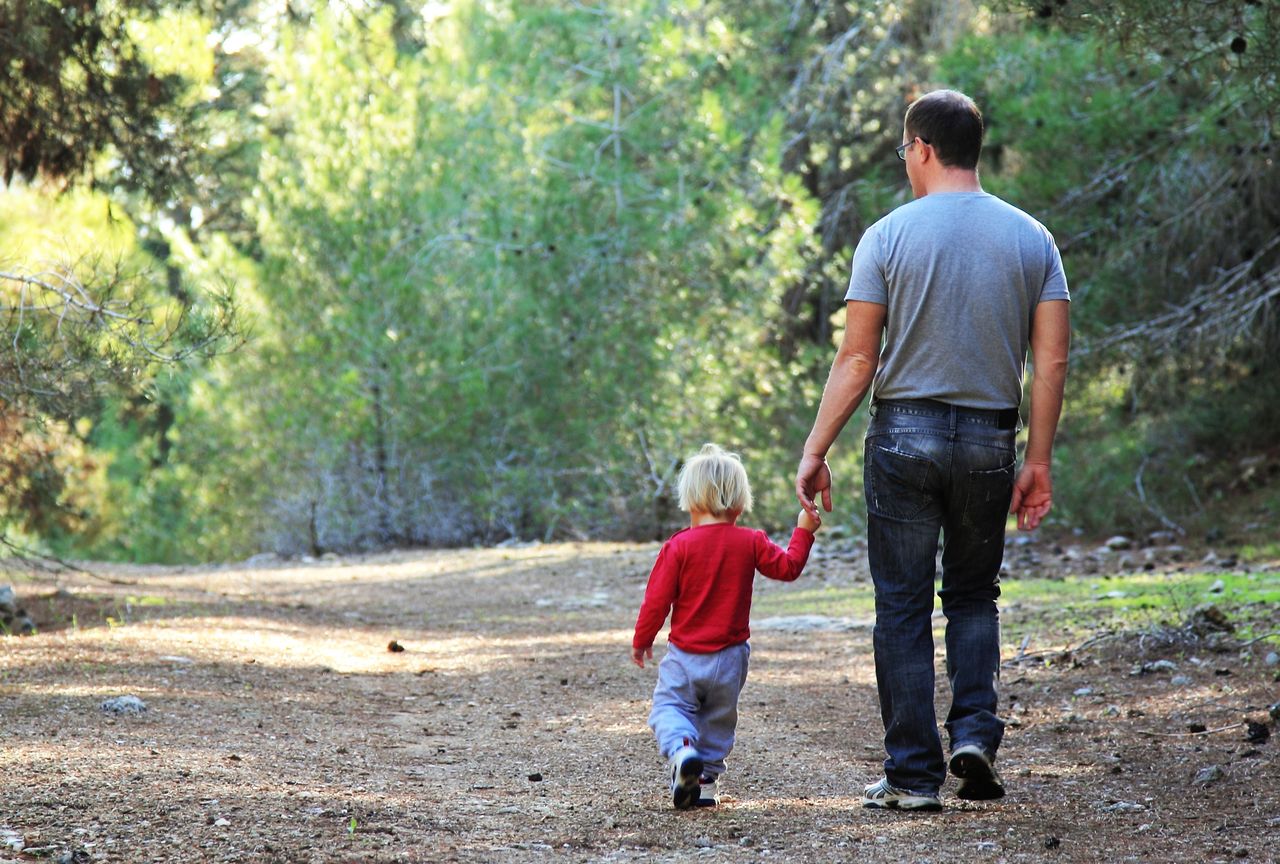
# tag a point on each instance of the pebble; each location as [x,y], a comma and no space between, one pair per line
[1179,680]
[221,823]
[1124,807]
[1208,774]
[1272,658]
[12,839]
[123,705]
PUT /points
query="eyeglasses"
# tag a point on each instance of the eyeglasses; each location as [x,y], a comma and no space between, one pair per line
[901,149]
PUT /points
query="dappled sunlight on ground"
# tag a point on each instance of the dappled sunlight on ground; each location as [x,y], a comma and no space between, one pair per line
[275,707]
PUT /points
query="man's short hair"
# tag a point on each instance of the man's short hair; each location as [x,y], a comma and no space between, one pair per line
[951,123]
[714,482]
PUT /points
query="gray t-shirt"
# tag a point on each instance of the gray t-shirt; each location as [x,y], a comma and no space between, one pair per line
[961,274]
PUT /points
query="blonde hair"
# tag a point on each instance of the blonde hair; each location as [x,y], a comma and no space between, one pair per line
[714,482]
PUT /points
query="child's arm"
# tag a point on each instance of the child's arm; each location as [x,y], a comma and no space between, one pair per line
[787,564]
[659,594]
[810,522]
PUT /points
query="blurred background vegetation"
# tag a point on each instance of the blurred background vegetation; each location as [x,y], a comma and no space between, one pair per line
[296,276]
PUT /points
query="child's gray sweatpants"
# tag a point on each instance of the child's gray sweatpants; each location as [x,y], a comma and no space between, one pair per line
[697,699]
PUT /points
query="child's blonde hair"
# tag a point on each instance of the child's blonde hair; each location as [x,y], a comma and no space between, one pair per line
[714,482]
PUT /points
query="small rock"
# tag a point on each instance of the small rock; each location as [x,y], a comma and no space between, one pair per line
[703,843]
[75,856]
[1274,711]
[1208,774]
[1272,658]
[1119,542]
[12,839]
[394,647]
[1124,807]
[535,777]
[987,846]
[1196,728]
[123,705]
[1052,842]
[1257,733]
[1179,680]
[221,823]
[1084,691]
[1218,587]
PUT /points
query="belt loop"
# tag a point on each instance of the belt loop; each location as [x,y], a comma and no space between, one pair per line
[953,419]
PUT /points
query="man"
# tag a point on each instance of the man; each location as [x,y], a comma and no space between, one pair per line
[957,284]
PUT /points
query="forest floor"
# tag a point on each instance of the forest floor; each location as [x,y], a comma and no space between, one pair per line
[281,726]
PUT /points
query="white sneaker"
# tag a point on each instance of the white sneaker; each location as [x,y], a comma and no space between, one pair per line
[708,792]
[686,769]
[883,795]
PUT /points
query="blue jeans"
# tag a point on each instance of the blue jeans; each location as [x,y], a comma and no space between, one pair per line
[933,468]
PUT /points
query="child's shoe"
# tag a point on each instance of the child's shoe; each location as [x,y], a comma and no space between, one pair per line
[708,792]
[686,770]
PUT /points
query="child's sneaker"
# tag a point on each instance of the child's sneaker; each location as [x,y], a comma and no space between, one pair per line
[883,795]
[708,792]
[686,770]
[979,780]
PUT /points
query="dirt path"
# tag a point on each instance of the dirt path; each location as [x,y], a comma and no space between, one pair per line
[280,728]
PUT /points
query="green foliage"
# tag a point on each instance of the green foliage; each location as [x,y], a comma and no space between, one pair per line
[508,263]
[533,351]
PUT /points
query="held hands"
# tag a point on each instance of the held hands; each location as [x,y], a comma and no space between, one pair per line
[810,523]
[813,477]
[639,655]
[1032,495]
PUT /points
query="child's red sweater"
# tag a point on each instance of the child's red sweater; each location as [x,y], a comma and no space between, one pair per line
[703,576]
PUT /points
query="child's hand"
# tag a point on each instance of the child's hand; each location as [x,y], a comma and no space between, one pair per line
[638,655]
[809,522]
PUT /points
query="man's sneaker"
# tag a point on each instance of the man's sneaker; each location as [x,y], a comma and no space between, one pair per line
[883,795]
[686,770]
[977,772]
[708,792]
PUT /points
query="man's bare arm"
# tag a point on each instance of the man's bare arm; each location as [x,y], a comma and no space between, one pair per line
[847,384]
[1050,344]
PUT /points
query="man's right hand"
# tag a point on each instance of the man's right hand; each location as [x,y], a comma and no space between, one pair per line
[1032,495]
[813,476]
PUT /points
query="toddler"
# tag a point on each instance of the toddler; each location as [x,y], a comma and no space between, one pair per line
[703,577]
